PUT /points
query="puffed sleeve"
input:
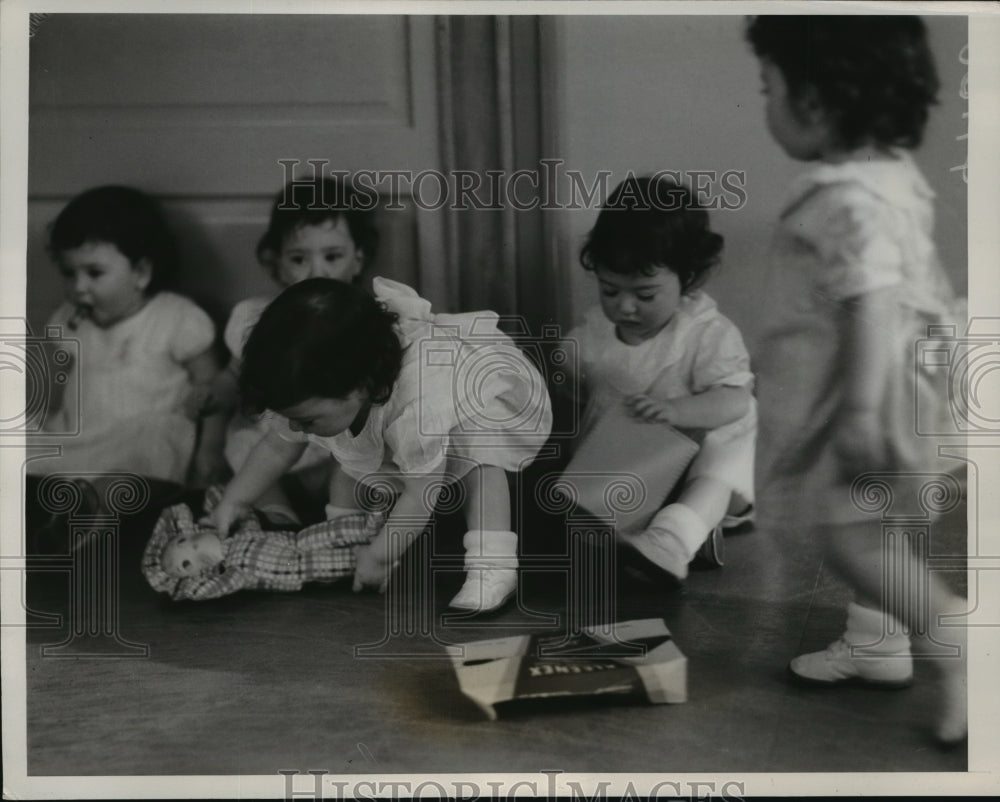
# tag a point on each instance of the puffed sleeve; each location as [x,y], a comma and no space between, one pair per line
[417,439]
[721,359]
[194,331]
[243,317]
[851,231]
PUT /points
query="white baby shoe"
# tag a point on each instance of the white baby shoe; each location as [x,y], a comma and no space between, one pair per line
[872,651]
[491,570]
[662,548]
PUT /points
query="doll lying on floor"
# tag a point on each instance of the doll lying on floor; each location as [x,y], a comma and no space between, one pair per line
[191,561]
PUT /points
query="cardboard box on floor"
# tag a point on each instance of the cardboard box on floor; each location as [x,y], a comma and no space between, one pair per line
[627,658]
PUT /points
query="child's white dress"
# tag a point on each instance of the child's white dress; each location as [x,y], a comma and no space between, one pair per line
[847,229]
[465,396]
[243,433]
[698,350]
[133,384]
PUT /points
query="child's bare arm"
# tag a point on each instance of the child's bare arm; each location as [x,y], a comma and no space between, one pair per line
[707,410]
[209,462]
[409,516]
[866,349]
[866,353]
[218,393]
[225,387]
[268,461]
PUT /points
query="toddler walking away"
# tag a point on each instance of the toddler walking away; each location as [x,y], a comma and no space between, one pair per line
[658,346]
[382,384]
[856,281]
[317,229]
[143,350]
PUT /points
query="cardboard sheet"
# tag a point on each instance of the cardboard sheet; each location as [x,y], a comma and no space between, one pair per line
[624,468]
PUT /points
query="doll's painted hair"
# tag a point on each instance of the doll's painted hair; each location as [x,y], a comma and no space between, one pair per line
[312,203]
[122,216]
[874,75]
[320,338]
[650,223]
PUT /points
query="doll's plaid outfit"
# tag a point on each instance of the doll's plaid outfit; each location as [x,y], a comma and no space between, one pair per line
[257,558]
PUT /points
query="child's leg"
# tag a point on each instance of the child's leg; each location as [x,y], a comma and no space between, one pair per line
[859,553]
[490,545]
[276,505]
[343,494]
[487,498]
[677,531]
[273,502]
[708,498]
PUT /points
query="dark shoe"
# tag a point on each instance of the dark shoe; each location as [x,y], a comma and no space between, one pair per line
[712,553]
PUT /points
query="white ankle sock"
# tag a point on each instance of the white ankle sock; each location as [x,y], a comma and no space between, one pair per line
[871,631]
[490,548]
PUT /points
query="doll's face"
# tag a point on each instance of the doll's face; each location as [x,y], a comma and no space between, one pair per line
[191,555]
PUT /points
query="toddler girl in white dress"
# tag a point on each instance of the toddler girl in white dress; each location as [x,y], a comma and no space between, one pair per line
[143,350]
[658,347]
[394,393]
[855,283]
[317,228]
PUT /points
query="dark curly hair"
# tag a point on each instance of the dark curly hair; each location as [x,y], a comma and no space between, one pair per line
[649,223]
[311,203]
[874,75]
[125,217]
[320,338]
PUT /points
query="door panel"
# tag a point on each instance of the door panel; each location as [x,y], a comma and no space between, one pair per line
[200,110]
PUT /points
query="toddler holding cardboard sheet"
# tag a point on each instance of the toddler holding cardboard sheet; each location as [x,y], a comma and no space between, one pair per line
[657,350]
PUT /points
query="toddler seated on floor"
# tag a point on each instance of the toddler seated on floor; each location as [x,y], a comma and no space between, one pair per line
[657,349]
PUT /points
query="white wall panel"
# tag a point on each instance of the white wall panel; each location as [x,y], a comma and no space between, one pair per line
[200,110]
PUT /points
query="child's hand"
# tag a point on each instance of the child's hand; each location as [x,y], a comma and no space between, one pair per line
[858,442]
[372,570]
[649,409]
[225,515]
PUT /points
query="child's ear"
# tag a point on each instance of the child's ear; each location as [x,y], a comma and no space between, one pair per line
[268,258]
[809,109]
[143,269]
[360,260]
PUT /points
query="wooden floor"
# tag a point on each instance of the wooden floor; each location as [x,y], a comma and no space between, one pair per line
[257,683]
